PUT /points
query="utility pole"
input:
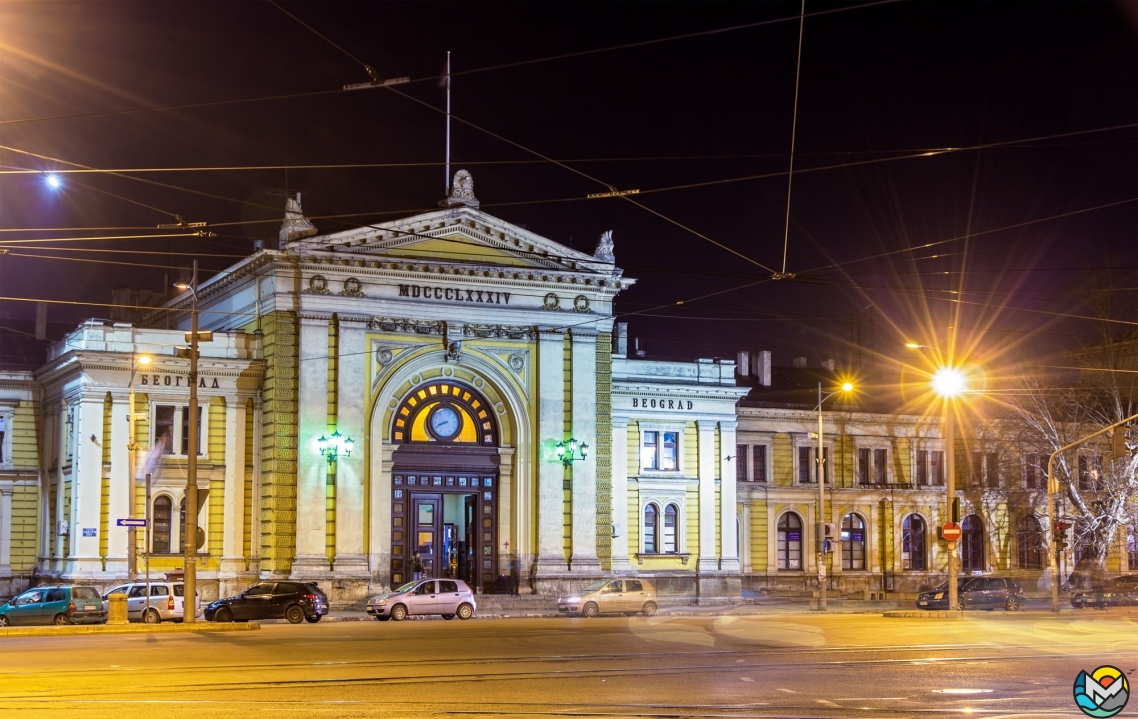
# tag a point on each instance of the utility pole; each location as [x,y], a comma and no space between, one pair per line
[190,531]
[132,487]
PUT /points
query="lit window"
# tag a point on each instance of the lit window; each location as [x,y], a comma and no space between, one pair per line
[670,528]
[650,528]
[660,451]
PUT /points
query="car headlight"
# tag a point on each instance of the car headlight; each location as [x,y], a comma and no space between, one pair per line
[938,595]
[379,600]
[573,600]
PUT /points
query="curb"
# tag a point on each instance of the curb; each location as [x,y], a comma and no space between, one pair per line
[923,614]
[166,628]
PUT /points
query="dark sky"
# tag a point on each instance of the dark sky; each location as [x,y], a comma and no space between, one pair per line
[877,83]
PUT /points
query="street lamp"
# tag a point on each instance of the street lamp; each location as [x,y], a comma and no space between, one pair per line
[566,452]
[132,488]
[190,538]
[821,530]
[332,447]
[948,382]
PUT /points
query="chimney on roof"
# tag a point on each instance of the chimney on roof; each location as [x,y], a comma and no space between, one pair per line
[743,363]
[639,352]
[621,339]
[829,364]
[799,361]
[762,367]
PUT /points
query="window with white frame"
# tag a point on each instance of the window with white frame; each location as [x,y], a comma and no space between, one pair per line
[172,428]
[808,463]
[660,450]
[5,438]
[661,527]
[790,542]
[929,469]
[853,542]
[751,462]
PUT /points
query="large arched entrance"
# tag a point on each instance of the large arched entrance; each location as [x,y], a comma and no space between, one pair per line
[444,484]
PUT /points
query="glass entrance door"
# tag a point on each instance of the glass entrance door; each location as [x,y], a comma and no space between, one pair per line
[426,513]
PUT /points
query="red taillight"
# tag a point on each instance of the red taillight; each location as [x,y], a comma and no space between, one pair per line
[170,603]
[71,607]
[312,598]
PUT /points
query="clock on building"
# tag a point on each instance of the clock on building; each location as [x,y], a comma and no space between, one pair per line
[445,422]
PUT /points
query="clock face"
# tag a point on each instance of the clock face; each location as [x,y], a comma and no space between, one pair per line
[445,422]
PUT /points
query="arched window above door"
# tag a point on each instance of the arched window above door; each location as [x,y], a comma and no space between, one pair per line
[445,413]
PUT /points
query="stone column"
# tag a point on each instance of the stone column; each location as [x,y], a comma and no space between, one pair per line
[118,500]
[708,561]
[350,560]
[87,488]
[381,456]
[550,430]
[506,529]
[745,547]
[60,517]
[6,532]
[311,560]
[255,509]
[233,529]
[620,561]
[729,540]
[584,371]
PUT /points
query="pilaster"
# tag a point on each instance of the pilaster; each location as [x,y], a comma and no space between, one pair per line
[233,530]
[708,561]
[620,560]
[730,526]
[311,522]
[118,500]
[745,547]
[87,489]
[5,532]
[350,559]
[584,373]
[550,428]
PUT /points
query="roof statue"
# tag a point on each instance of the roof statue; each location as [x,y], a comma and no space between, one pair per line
[461,191]
[295,225]
[605,248]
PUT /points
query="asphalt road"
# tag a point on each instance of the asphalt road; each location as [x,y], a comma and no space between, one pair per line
[747,666]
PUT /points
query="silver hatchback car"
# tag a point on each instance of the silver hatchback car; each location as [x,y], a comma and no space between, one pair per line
[166,602]
[611,596]
[447,597]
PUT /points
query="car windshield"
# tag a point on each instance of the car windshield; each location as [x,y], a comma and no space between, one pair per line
[406,587]
[594,586]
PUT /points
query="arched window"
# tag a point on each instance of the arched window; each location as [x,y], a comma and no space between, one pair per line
[651,528]
[160,542]
[972,544]
[670,513]
[182,528]
[790,542]
[913,543]
[445,413]
[1029,542]
[853,542]
[1132,549]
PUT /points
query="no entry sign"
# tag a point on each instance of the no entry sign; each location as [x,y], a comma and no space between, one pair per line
[950,531]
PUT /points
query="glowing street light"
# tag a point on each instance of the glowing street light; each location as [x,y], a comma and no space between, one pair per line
[53,181]
[949,383]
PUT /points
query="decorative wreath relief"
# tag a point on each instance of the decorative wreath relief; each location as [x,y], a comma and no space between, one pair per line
[317,285]
[516,363]
[383,356]
[352,288]
[551,302]
[580,303]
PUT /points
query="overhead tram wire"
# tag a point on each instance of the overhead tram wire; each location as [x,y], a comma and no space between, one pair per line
[436,78]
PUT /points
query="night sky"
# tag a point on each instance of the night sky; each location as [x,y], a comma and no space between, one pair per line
[1030,91]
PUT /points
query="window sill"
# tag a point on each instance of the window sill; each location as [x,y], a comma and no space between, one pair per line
[683,556]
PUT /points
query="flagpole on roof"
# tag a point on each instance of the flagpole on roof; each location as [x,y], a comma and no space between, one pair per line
[447,179]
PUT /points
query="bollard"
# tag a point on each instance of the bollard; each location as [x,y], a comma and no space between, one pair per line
[116,613]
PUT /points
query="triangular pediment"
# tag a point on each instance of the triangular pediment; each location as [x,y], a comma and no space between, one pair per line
[455,235]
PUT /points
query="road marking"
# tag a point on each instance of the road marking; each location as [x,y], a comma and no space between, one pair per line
[746,679]
[827,702]
[788,691]
[962,691]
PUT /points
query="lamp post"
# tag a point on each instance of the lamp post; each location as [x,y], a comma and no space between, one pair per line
[132,486]
[190,531]
[332,447]
[820,459]
[948,382]
[567,452]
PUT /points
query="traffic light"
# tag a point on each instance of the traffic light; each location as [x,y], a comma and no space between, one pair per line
[1120,443]
[1061,535]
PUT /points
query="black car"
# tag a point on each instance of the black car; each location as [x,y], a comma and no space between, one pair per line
[294,601]
[976,593]
[1118,592]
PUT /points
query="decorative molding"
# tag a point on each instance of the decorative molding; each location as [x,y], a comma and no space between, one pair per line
[384,355]
[513,332]
[551,302]
[419,327]
[352,288]
[516,362]
[318,285]
[580,303]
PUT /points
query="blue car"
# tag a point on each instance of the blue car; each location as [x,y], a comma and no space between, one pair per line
[54,605]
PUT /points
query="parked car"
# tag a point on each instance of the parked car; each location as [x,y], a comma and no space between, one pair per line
[166,600]
[54,605]
[611,596]
[976,593]
[448,597]
[1118,592]
[294,601]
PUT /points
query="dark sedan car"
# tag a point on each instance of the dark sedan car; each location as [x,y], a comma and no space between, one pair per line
[1118,592]
[976,593]
[294,601]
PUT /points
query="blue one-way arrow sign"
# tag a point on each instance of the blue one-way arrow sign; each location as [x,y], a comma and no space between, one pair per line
[132,522]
